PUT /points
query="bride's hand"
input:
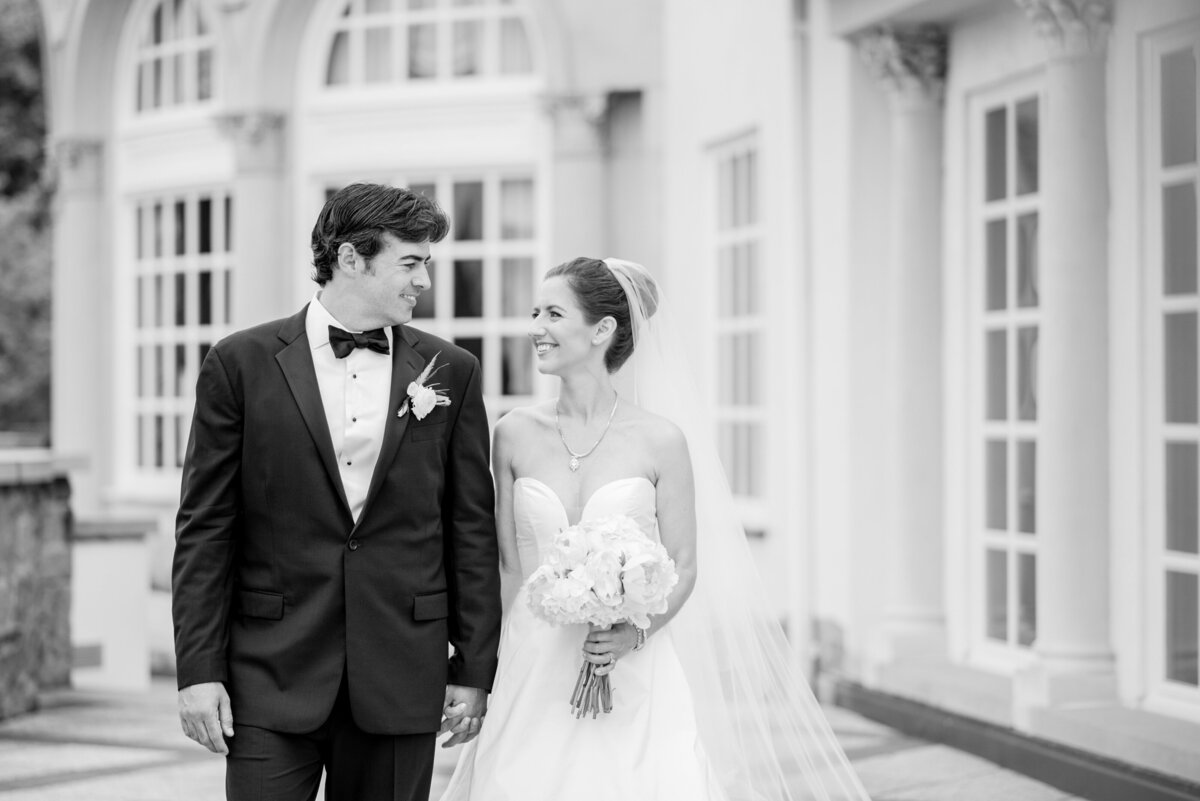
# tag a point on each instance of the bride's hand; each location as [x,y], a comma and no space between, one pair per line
[605,647]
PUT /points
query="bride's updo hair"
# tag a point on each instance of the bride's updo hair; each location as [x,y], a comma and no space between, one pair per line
[599,294]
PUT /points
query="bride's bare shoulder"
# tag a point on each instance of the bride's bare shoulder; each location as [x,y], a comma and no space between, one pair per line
[524,419]
[656,430]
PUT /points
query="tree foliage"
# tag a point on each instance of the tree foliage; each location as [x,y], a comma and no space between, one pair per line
[22,108]
[25,255]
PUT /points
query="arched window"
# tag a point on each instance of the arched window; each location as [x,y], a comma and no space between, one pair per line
[174,57]
[173,242]
[401,41]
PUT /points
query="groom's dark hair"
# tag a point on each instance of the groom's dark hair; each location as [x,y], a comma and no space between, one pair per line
[361,213]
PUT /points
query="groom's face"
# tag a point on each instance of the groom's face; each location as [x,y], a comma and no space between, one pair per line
[393,280]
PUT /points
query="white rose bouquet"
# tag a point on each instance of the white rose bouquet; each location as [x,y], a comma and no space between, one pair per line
[601,572]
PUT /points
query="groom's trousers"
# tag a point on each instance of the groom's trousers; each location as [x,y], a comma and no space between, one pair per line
[265,765]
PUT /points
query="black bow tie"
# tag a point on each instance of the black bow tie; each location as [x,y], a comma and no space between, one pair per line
[343,342]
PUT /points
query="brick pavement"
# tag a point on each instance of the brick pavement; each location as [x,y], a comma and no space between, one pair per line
[89,746]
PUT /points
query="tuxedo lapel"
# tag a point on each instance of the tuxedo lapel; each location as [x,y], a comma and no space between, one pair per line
[296,362]
[407,364]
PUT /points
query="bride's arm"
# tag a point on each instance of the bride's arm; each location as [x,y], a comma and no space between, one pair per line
[676,509]
[510,563]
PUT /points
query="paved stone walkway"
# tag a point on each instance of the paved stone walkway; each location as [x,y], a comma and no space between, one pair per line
[88,746]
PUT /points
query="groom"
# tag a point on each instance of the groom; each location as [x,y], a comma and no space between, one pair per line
[335,529]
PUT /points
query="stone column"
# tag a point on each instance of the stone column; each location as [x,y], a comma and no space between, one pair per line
[1073,639]
[81,410]
[579,223]
[911,64]
[263,273]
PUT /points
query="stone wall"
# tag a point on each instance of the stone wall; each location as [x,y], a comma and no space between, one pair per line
[35,578]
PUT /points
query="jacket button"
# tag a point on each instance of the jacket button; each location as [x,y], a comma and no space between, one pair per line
[352,544]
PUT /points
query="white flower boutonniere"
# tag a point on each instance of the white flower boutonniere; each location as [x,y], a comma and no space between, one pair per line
[423,397]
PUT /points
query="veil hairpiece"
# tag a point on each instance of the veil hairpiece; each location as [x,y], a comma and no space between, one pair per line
[762,730]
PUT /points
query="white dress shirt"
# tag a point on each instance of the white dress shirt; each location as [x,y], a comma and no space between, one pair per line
[355,393]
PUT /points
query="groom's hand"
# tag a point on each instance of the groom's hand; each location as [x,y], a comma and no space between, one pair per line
[206,715]
[463,714]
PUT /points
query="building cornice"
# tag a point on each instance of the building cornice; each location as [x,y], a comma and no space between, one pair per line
[853,18]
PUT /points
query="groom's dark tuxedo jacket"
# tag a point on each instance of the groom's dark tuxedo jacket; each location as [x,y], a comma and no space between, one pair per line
[277,591]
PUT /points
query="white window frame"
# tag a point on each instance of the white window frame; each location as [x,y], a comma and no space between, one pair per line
[443,17]
[753,507]
[136,428]
[1164,696]
[165,52]
[146,163]
[984,651]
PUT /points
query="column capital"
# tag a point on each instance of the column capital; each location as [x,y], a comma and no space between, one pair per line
[57,16]
[79,165]
[589,107]
[1071,28]
[908,61]
[257,138]
[579,119]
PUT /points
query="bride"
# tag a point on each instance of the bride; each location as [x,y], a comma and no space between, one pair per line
[706,703]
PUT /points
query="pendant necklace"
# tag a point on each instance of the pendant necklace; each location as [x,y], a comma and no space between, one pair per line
[575,457]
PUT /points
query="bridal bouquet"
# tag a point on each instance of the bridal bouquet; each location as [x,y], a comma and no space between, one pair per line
[601,572]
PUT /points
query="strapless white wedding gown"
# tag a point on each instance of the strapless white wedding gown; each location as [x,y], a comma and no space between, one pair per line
[531,747]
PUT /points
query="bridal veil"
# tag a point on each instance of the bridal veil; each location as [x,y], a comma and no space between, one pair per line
[762,730]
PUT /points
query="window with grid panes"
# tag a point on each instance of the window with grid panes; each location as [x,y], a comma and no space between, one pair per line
[1008,315]
[182,288]
[1173,175]
[174,57]
[421,41]
[483,275]
[740,324]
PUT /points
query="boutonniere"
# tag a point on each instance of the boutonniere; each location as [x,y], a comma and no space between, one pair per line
[422,397]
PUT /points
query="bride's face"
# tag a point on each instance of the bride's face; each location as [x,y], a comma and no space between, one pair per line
[561,335]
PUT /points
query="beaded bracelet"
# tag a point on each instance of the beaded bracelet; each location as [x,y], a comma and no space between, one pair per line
[641,638]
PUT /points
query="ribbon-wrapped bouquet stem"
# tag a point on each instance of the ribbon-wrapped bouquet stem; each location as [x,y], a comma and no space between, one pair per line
[601,572]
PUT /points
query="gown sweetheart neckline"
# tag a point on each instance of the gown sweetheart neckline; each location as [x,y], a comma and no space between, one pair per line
[583,511]
[530,742]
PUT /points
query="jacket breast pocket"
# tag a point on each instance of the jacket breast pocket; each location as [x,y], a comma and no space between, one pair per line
[261,604]
[431,606]
[426,432]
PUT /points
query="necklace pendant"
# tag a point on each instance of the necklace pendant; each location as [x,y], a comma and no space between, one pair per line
[574,464]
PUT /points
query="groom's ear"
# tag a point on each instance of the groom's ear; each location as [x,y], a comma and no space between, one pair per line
[348,258]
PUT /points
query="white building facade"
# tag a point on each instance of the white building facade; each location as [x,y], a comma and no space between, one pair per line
[941,254]
[1014,368]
